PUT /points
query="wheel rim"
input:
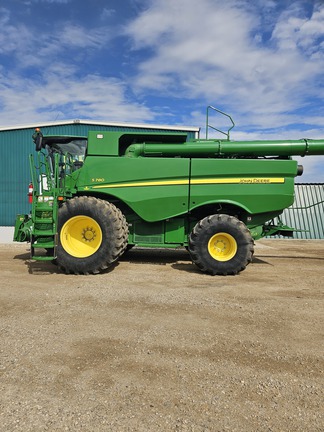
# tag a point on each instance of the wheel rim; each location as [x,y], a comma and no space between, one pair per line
[81,236]
[222,246]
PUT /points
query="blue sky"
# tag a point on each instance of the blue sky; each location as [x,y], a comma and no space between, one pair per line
[164,61]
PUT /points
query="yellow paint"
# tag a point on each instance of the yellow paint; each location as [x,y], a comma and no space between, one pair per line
[244,180]
[222,246]
[241,180]
[151,183]
[81,236]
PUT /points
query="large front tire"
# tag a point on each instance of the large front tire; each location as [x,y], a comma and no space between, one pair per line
[93,234]
[221,245]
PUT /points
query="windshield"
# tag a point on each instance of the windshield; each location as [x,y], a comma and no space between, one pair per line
[71,151]
[74,148]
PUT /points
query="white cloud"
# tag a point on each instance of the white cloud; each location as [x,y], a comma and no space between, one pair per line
[30,47]
[91,97]
[295,32]
[47,77]
[107,14]
[4,15]
[13,38]
[72,35]
[214,51]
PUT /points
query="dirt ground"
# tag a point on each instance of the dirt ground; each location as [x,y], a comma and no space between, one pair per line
[155,345]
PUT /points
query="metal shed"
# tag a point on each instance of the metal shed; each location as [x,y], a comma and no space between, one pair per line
[16,144]
[306,214]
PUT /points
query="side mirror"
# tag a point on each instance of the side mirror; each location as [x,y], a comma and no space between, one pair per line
[38,139]
[38,142]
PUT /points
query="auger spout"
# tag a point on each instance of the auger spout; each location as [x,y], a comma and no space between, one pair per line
[219,148]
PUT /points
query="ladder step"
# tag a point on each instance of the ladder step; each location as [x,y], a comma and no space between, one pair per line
[43,258]
[44,220]
[44,233]
[44,207]
[47,245]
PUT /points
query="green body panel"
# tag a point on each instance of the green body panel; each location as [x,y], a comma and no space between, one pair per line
[99,143]
[155,189]
[257,186]
[160,188]
[115,143]
[169,233]
[175,231]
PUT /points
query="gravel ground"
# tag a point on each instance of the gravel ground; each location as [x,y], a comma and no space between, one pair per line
[155,345]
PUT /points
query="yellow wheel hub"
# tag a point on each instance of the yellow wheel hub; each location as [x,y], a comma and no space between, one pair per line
[81,236]
[222,246]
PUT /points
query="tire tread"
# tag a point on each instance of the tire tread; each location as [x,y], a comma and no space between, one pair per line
[107,213]
[196,245]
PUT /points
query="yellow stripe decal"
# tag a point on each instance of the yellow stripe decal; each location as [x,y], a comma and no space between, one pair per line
[152,183]
[244,180]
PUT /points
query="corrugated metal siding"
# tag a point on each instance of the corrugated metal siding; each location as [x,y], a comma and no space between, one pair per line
[14,174]
[307,211]
[17,144]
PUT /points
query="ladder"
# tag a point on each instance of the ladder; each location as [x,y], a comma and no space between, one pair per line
[43,241]
[44,215]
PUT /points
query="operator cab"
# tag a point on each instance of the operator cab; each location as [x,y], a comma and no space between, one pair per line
[71,149]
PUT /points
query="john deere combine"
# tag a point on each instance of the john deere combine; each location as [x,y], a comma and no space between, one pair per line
[93,197]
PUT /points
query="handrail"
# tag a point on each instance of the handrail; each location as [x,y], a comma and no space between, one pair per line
[214,128]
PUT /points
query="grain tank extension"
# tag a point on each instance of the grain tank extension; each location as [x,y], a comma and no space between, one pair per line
[94,197]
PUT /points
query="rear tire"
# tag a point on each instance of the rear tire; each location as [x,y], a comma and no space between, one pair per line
[221,245]
[93,234]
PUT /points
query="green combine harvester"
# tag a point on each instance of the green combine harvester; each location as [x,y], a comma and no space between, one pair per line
[95,197]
